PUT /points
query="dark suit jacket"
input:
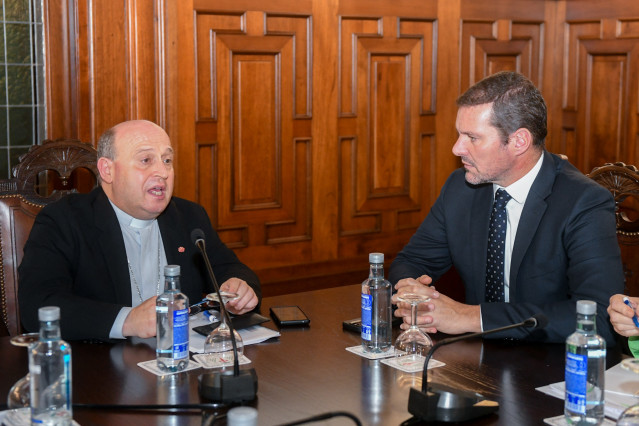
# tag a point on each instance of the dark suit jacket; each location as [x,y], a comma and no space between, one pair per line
[75,259]
[565,250]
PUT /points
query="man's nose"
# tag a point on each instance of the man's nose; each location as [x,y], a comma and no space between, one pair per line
[459,147]
[161,169]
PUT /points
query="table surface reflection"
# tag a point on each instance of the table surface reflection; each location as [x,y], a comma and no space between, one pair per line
[307,371]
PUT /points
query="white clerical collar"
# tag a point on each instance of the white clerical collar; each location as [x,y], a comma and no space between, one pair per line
[519,190]
[128,220]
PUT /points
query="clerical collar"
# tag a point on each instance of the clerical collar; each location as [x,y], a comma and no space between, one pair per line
[128,220]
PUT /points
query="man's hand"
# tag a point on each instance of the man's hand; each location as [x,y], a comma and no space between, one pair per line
[440,313]
[621,315]
[141,320]
[246,300]
[418,286]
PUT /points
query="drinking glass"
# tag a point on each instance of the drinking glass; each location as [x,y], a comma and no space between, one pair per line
[218,345]
[19,395]
[413,344]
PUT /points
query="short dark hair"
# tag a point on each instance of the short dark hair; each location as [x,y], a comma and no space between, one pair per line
[517,103]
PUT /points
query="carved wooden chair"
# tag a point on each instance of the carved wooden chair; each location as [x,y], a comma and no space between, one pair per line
[44,174]
[623,182]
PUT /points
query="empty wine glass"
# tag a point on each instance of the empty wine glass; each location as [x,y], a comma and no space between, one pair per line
[413,344]
[218,345]
[19,395]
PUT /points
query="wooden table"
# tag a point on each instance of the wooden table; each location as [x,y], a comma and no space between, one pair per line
[307,371]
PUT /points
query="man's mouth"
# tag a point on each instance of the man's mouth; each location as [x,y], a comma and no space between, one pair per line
[467,165]
[157,191]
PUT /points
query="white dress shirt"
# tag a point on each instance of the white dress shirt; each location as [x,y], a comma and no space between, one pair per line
[519,192]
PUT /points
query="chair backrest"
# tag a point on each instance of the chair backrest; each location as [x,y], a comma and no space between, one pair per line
[623,182]
[44,174]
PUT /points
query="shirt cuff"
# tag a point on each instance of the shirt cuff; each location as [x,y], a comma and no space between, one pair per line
[116,328]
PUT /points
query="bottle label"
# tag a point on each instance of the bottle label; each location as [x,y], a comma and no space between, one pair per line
[367,310]
[180,334]
[576,369]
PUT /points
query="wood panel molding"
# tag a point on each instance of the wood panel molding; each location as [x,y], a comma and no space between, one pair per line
[262,167]
[600,93]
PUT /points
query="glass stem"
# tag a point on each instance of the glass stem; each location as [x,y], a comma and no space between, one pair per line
[413,315]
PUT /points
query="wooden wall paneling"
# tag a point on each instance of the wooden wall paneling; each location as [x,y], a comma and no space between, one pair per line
[552,53]
[181,100]
[324,128]
[447,90]
[145,62]
[505,41]
[315,131]
[601,91]
[104,62]
[387,103]
[60,48]
[253,135]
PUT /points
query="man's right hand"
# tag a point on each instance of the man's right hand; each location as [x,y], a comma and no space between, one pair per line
[141,320]
[621,315]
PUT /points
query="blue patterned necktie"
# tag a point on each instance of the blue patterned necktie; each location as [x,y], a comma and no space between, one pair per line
[496,247]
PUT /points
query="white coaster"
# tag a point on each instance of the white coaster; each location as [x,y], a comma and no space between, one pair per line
[412,366]
[152,366]
[207,361]
[561,421]
[358,350]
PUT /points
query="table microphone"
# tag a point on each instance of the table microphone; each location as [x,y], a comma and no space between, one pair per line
[224,386]
[445,404]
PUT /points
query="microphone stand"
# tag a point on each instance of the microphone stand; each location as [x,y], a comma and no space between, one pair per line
[219,386]
[438,402]
[202,246]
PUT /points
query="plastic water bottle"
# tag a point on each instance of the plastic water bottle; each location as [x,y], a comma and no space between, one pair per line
[585,363]
[172,310]
[376,307]
[50,371]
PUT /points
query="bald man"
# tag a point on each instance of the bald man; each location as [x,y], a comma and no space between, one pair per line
[100,256]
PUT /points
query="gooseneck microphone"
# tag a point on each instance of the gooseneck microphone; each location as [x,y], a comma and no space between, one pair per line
[443,403]
[241,385]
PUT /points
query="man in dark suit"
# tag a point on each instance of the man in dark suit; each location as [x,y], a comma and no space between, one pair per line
[100,256]
[559,243]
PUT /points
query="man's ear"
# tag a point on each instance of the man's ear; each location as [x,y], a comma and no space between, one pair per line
[105,167]
[522,140]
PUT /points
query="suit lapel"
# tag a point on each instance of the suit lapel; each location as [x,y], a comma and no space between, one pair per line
[533,211]
[479,221]
[111,242]
[175,237]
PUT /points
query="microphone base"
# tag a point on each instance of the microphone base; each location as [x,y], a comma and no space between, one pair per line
[445,404]
[224,387]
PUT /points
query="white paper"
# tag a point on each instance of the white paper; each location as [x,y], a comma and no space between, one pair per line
[621,386]
[250,335]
